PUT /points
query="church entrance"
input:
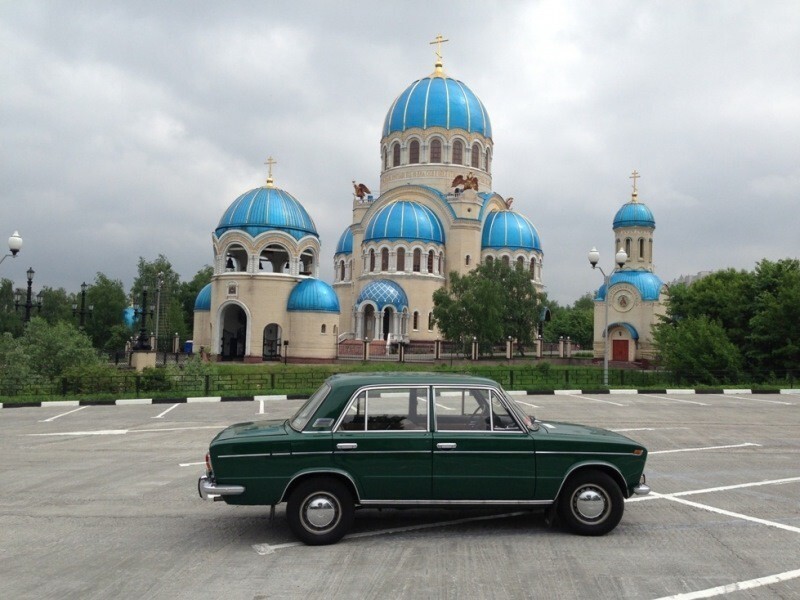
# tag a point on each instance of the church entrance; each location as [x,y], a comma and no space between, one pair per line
[234,333]
[619,350]
[272,342]
[387,322]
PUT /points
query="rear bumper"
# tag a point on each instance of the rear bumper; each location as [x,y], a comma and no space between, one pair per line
[642,489]
[209,490]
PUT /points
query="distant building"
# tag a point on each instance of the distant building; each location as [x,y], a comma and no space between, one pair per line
[636,295]
[690,279]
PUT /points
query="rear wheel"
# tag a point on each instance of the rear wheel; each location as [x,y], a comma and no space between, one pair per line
[591,503]
[320,511]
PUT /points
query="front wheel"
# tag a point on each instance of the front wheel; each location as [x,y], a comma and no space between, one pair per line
[320,511]
[591,503]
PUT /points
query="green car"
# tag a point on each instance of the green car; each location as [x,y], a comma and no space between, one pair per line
[421,439]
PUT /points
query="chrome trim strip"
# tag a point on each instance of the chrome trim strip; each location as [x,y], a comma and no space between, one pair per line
[310,453]
[589,464]
[585,453]
[384,452]
[243,455]
[209,490]
[459,502]
[445,451]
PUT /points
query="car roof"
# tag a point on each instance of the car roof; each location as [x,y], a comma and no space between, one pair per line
[408,378]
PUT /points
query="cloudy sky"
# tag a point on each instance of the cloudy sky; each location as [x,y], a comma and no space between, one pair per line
[127,128]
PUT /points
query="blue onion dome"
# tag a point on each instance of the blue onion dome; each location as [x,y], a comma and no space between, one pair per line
[634,214]
[313,295]
[648,284]
[507,229]
[267,209]
[384,292]
[405,220]
[438,101]
[345,245]
[129,316]
[203,300]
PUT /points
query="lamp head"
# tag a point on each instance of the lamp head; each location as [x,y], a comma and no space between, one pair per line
[15,243]
[621,258]
[594,257]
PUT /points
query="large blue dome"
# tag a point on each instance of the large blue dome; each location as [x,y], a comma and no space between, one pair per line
[648,284]
[267,209]
[384,292]
[203,300]
[507,229]
[313,295]
[345,245]
[634,214]
[438,101]
[405,220]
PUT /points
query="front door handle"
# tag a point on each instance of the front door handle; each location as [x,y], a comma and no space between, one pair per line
[346,446]
[446,446]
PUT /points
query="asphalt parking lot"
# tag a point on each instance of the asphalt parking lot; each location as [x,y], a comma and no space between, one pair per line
[101,502]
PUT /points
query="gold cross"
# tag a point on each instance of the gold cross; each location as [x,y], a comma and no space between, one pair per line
[635,175]
[269,162]
[439,41]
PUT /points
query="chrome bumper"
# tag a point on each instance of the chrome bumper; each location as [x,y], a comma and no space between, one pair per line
[209,490]
[642,489]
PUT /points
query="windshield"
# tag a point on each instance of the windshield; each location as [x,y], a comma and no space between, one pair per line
[521,414]
[303,416]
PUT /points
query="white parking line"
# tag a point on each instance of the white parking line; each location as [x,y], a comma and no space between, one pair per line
[723,488]
[595,400]
[755,399]
[736,587]
[674,399]
[528,404]
[122,431]
[264,549]
[443,406]
[646,429]
[161,416]
[704,448]
[62,415]
[261,407]
[191,464]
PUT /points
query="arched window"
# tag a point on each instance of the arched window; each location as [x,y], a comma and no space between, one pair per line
[417,260]
[413,154]
[396,155]
[430,321]
[467,260]
[415,321]
[506,261]
[487,160]
[384,259]
[372,260]
[520,262]
[476,156]
[440,268]
[430,261]
[322,329]
[458,153]
[341,270]
[641,248]
[628,247]
[533,269]
[436,151]
[401,259]
[489,260]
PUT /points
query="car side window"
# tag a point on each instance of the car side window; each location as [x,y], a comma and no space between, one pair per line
[388,409]
[462,409]
[501,418]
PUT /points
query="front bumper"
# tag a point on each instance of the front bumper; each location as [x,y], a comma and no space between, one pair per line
[642,489]
[209,490]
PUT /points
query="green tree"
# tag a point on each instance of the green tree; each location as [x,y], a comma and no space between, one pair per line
[108,301]
[10,319]
[490,303]
[56,305]
[575,322]
[163,294]
[697,350]
[190,289]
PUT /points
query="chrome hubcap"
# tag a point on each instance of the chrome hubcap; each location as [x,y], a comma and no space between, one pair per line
[589,504]
[320,512]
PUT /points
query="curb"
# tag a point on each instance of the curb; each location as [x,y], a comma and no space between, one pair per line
[267,398]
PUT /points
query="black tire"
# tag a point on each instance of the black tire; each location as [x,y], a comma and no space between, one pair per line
[320,511]
[591,503]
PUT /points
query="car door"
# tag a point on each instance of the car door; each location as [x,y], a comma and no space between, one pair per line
[383,441]
[480,451]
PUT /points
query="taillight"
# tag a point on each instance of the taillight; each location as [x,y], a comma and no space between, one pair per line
[208,462]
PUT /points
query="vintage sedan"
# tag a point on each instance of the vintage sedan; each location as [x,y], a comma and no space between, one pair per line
[421,439]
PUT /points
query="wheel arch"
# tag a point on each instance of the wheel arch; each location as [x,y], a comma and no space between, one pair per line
[604,467]
[336,474]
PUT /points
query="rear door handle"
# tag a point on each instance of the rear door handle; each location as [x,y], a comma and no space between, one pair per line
[346,446]
[446,446]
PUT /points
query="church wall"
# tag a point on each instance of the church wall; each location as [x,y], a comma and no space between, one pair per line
[306,336]
[201,335]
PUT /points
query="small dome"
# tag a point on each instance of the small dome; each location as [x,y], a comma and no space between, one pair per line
[634,214]
[438,101]
[267,209]
[648,284]
[203,301]
[384,292]
[345,245]
[129,316]
[507,229]
[313,295]
[405,220]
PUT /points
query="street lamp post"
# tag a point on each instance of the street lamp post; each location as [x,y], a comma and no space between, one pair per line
[14,245]
[620,258]
[29,304]
[83,310]
[143,341]
[159,283]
